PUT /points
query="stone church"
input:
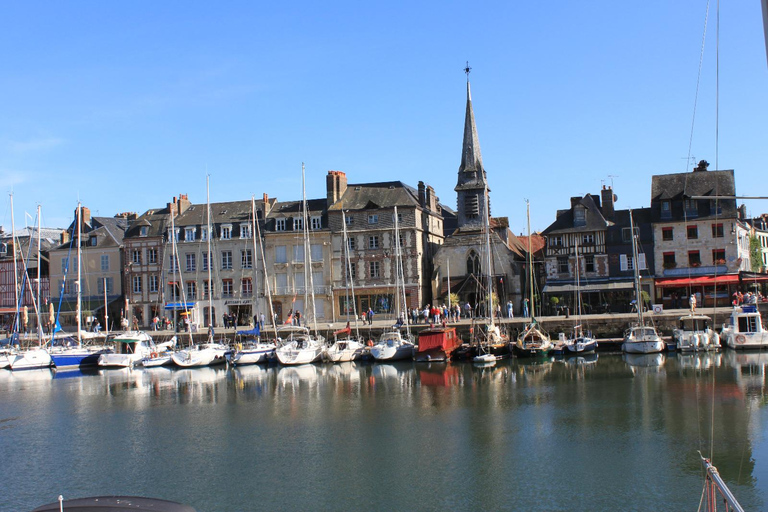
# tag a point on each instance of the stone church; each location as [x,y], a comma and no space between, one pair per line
[463,259]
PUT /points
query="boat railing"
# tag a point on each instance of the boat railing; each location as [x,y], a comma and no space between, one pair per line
[715,489]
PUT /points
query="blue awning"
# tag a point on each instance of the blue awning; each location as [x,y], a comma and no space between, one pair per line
[179,305]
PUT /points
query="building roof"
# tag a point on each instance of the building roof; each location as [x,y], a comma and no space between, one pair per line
[697,183]
[386,194]
[155,220]
[594,220]
[221,213]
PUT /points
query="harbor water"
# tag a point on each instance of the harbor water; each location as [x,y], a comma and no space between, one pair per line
[613,432]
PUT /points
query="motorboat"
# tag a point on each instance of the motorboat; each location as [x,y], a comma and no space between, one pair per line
[695,334]
[296,346]
[437,344]
[393,346]
[642,339]
[130,348]
[744,329]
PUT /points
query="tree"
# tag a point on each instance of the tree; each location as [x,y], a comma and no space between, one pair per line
[755,254]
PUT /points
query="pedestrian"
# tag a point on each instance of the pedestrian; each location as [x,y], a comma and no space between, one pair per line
[370,316]
[510,310]
[468,310]
[97,327]
[297,316]
[692,302]
[525,307]
[261,321]
[498,311]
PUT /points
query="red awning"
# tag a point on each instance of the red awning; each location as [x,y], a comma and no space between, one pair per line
[698,281]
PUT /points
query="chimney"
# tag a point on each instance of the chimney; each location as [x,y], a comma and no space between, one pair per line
[183,203]
[264,205]
[422,194]
[575,201]
[608,198]
[335,186]
[64,237]
[742,212]
[431,199]
[86,216]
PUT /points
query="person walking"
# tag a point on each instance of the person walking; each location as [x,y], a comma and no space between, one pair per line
[525,307]
[692,302]
[510,310]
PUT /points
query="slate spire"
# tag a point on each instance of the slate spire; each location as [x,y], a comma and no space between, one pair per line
[471,159]
[471,185]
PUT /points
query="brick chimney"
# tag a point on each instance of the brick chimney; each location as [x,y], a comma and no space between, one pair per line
[335,186]
[608,198]
[183,203]
[64,237]
[422,194]
[86,216]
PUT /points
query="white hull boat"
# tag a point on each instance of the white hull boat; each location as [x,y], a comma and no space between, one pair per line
[31,359]
[581,345]
[252,354]
[298,352]
[161,356]
[344,351]
[207,354]
[392,347]
[485,359]
[744,329]
[642,340]
[131,348]
[695,335]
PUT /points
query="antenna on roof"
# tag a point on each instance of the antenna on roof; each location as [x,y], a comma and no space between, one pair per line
[613,176]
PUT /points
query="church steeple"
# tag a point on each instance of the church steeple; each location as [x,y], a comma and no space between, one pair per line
[472,183]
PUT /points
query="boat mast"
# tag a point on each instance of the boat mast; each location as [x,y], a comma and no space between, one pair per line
[307,257]
[264,261]
[211,318]
[578,276]
[487,225]
[39,305]
[400,274]
[530,259]
[350,279]
[15,270]
[637,271]
[78,287]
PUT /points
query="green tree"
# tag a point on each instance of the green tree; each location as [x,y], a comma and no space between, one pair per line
[454,299]
[755,254]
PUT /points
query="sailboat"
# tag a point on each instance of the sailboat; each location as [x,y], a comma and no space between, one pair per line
[579,342]
[488,350]
[347,347]
[640,338]
[533,341]
[209,353]
[299,345]
[392,345]
[31,358]
[258,351]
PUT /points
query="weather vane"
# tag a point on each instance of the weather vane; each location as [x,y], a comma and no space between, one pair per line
[467,70]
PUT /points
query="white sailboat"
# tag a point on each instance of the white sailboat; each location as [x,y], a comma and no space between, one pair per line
[209,353]
[533,341]
[257,351]
[640,338]
[300,346]
[392,345]
[347,347]
[580,342]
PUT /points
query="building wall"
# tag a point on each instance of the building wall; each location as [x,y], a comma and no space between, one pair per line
[733,242]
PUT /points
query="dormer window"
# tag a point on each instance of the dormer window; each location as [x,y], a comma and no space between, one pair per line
[3,248]
[666,210]
[189,234]
[204,233]
[556,240]
[298,223]
[245,230]
[316,223]
[579,216]
[92,241]
[349,220]
[226,231]
[143,231]
[279,224]
[373,219]
[173,234]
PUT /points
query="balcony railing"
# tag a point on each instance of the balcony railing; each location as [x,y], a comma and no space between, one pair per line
[299,290]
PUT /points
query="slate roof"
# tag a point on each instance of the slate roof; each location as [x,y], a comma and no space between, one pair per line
[234,212]
[594,219]
[387,194]
[155,220]
[687,184]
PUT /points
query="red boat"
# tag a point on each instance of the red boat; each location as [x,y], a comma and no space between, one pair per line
[437,344]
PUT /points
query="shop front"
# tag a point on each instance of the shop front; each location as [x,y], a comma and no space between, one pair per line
[597,296]
[710,291]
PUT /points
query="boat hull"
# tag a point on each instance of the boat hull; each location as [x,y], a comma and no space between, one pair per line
[72,360]
[344,351]
[119,360]
[202,357]
[30,360]
[746,340]
[289,356]
[581,346]
[392,352]
[642,347]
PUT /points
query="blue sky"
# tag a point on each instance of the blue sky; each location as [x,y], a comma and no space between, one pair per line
[127,104]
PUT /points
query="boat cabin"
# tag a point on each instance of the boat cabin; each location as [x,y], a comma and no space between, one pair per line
[746,319]
[697,323]
[439,340]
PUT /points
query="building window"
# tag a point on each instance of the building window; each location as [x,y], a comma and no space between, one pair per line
[173,234]
[693,232]
[152,255]
[351,270]
[246,285]
[204,233]
[191,262]
[136,256]
[349,220]
[669,260]
[105,262]
[579,216]
[471,206]
[626,262]
[667,234]
[351,243]
[245,231]
[556,241]
[136,284]
[279,224]
[400,240]
[191,290]
[373,267]
[64,265]
[316,252]
[626,234]
[226,288]
[144,231]
[718,256]
[373,219]
[298,223]
[562,265]
[281,283]
[373,242]
[226,232]
[666,210]
[205,261]
[717,231]
[173,267]
[280,254]
[588,239]
[316,223]
[694,258]
[189,234]
[714,207]
[226,260]
[298,254]
[152,284]
[246,258]
[207,289]
[691,208]
[473,263]
[174,291]
[105,281]
[92,241]
[589,263]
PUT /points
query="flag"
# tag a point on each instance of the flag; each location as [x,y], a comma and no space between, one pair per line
[346,330]
[57,327]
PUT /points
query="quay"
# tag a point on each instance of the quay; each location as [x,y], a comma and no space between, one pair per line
[608,328]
